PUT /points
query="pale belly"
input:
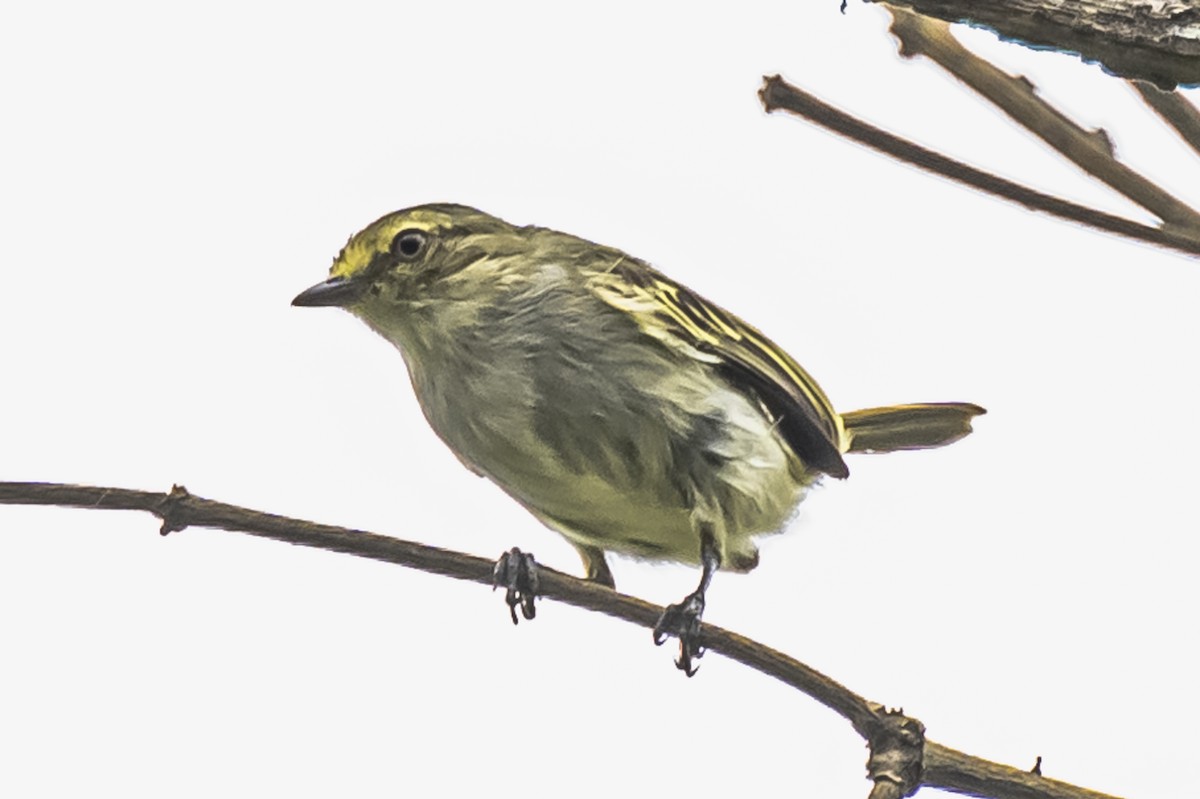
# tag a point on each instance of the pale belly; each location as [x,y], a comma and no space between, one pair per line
[636,483]
[628,448]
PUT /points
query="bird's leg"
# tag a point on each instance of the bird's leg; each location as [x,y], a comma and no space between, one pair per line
[683,620]
[595,565]
[517,572]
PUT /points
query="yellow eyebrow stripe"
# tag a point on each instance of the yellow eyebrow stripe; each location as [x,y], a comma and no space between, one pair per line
[377,238]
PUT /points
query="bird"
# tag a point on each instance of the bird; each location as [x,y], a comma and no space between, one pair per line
[620,408]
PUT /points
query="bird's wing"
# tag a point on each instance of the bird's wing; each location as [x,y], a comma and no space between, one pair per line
[685,321]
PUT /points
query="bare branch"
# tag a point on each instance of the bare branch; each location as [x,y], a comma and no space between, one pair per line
[901,759]
[1155,40]
[1017,97]
[955,771]
[778,94]
[1175,109]
[179,510]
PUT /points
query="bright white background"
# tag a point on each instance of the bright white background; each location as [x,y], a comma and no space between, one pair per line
[169,181]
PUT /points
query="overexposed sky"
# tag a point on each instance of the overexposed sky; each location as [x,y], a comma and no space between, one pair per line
[169,180]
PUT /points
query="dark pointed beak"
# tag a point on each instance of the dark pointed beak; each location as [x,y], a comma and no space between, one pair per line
[336,291]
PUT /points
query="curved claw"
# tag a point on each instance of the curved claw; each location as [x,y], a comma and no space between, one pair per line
[683,622]
[517,572]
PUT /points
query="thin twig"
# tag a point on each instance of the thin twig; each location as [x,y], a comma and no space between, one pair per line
[777,93]
[179,509]
[942,767]
[1174,108]
[1016,97]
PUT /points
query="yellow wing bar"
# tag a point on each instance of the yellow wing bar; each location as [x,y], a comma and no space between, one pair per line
[682,319]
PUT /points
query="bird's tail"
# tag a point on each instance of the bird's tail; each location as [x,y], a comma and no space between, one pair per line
[921,426]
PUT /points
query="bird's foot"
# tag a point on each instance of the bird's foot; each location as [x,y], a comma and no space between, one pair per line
[683,622]
[517,572]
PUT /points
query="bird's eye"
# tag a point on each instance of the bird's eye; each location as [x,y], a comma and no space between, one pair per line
[408,244]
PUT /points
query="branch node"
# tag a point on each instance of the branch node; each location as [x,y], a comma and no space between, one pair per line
[897,744]
[168,510]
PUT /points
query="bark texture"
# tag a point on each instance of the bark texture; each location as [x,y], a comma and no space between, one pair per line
[1152,40]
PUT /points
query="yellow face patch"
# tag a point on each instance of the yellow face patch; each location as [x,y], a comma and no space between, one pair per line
[377,237]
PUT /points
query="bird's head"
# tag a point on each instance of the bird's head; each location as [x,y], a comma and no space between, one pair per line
[410,259]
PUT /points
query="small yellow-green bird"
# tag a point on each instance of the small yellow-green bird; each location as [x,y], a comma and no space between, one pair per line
[620,408]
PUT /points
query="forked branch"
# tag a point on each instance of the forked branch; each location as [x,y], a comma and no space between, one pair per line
[1158,40]
[1090,150]
[777,94]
